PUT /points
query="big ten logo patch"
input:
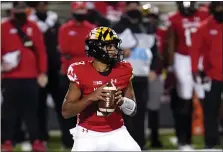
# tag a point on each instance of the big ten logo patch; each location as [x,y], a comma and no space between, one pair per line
[95,83]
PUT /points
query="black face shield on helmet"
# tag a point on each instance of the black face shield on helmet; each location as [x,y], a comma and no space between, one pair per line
[216,9]
[186,8]
[96,42]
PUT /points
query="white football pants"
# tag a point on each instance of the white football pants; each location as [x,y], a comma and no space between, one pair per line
[185,82]
[117,140]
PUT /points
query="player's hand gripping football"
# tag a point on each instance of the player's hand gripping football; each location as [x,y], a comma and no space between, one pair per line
[118,97]
[99,94]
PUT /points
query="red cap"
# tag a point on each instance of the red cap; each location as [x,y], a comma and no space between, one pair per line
[78,5]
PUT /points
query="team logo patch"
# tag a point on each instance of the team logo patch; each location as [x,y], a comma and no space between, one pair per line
[213,32]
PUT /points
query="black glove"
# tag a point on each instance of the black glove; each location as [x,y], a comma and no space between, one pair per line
[200,77]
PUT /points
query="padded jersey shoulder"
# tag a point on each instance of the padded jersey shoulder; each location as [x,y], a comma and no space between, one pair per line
[76,69]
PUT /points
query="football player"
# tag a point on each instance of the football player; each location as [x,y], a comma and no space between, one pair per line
[182,25]
[94,131]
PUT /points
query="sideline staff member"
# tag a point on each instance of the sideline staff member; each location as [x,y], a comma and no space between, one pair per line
[24,63]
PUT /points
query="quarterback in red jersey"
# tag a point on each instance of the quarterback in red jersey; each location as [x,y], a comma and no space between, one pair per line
[182,25]
[95,131]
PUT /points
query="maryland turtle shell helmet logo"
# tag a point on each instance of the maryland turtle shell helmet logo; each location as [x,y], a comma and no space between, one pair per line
[100,37]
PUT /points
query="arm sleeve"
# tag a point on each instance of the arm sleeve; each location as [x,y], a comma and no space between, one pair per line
[155,56]
[62,40]
[131,76]
[2,40]
[197,47]
[40,51]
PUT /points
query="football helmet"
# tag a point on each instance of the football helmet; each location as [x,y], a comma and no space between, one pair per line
[187,8]
[150,10]
[100,37]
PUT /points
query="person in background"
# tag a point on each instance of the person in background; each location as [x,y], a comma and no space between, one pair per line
[142,57]
[156,87]
[24,67]
[49,25]
[111,10]
[182,25]
[208,44]
[95,17]
[19,135]
[72,47]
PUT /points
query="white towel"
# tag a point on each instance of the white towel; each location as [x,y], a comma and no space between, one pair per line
[10,60]
[128,39]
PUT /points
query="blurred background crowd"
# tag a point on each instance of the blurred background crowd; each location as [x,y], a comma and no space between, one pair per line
[39,40]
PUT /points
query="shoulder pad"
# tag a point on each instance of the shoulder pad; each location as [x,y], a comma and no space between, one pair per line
[125,65]
[79,63]
[73,71]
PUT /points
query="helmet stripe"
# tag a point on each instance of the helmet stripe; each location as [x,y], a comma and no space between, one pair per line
[106,35]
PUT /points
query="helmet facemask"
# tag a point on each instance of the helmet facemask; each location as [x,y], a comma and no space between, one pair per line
[100,51]
[101,42]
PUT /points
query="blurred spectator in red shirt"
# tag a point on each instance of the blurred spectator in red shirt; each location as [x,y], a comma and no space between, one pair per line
[95,17]
[24,66]
[72,35]
[112,10]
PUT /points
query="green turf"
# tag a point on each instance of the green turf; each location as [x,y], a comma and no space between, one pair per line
[55,144]
[197,142]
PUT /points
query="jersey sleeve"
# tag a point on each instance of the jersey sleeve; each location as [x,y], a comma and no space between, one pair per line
[196,50]
[129,70]
[72,75]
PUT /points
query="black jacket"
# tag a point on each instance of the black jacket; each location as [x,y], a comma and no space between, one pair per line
[50,33]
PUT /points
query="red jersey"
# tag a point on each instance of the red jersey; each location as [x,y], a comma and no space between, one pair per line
[184,27]
[209,44]
[161,34]
[72,42]
[88,79]
[32,63]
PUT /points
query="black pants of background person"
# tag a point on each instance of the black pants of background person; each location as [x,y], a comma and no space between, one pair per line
[20,101]
[20,133]
[153,125]
[153,108]
[57,87]
[211,109]
[182,114]
[135,124]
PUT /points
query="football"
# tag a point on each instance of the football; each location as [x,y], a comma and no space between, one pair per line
[108,106]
